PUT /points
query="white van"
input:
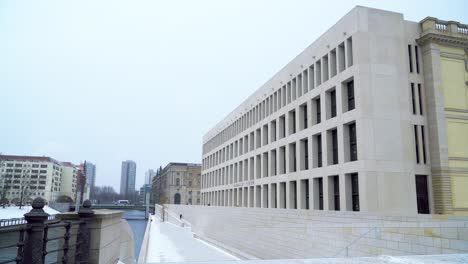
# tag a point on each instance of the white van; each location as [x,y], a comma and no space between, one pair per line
[122,202]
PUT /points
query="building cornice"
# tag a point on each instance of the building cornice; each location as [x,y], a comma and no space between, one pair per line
[443,39]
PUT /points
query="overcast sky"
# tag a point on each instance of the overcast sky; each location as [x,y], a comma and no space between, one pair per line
[107,81]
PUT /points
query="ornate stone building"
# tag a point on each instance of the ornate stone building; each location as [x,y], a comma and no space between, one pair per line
[177,183]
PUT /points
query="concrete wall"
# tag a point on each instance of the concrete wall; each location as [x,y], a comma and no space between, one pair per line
[111,237]
[283,233]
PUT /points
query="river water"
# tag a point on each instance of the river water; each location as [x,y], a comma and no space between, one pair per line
[136,220]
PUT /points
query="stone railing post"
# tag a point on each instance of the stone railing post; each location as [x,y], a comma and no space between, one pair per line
[84,234]
[34,239]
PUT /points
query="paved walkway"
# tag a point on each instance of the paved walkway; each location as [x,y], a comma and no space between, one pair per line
[171,243]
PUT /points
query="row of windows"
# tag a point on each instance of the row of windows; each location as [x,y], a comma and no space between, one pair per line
[286,124]
[324,68]
[18,187]
[20,176]
[32,193]
[25,171]
[302,194]
[18,181]
[19,165]
[287,159]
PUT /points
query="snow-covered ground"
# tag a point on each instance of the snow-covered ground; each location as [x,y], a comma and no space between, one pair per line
[432,259]
[15,212]
[171,243]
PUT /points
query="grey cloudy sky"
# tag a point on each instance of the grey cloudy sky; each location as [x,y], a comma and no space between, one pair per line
[113,80]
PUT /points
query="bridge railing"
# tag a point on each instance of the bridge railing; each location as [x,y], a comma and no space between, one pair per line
[41,237]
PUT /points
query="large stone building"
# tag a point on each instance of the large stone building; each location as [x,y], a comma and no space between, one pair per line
[371,117]
[177,183]
[127,180]
[33,176]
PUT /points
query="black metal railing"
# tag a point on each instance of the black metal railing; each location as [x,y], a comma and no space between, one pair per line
[18,221]
[41,238]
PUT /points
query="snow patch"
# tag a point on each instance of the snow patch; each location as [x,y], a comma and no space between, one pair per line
[15,212]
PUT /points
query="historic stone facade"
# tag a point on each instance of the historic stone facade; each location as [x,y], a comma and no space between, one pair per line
[177,183]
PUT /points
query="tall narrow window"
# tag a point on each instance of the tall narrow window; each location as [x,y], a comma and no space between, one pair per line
[319,150]
[330,103]
[273,131]
[282,160]
[413,99]
[334,146]
[422,194]
[316,111]
[325,68]
[341,57]
[303,116]
[420,99]
[305,82]
[304,187]
[352,142]
[416,56]
[292,195]
[292,122]
[410,58]
[320,193]
[333,103]
[423,139]
[282,126]
[416,143]
[355,191]
[304,152]
[292,157]
[349,51]
[318,73]
[350,90]
[336,193]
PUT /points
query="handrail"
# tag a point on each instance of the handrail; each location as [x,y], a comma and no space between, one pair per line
[354,241]
[18,221]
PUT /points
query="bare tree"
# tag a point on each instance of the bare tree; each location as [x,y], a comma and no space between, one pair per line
[105,194]
[25,183]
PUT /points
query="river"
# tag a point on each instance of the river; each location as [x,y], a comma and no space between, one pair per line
[136,220]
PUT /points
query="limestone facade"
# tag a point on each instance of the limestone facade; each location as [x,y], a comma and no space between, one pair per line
[177,183]
[342,127]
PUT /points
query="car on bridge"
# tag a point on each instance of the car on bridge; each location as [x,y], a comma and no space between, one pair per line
[122,202]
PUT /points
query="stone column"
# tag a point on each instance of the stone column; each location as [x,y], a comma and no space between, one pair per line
[437,132]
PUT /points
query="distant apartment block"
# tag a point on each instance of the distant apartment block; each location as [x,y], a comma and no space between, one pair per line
[371,117]
[36,176]
[127,180]
[177,183]
[90,177]
[149,174]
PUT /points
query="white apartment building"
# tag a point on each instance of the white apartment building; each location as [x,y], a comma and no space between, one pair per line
[34,176]
[69,180]
[37,177]
[341,127]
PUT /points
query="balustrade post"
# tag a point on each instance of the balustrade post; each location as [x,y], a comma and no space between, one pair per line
[84,233]
[34,239]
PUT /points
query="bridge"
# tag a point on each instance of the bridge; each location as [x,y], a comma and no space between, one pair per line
[118,207]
